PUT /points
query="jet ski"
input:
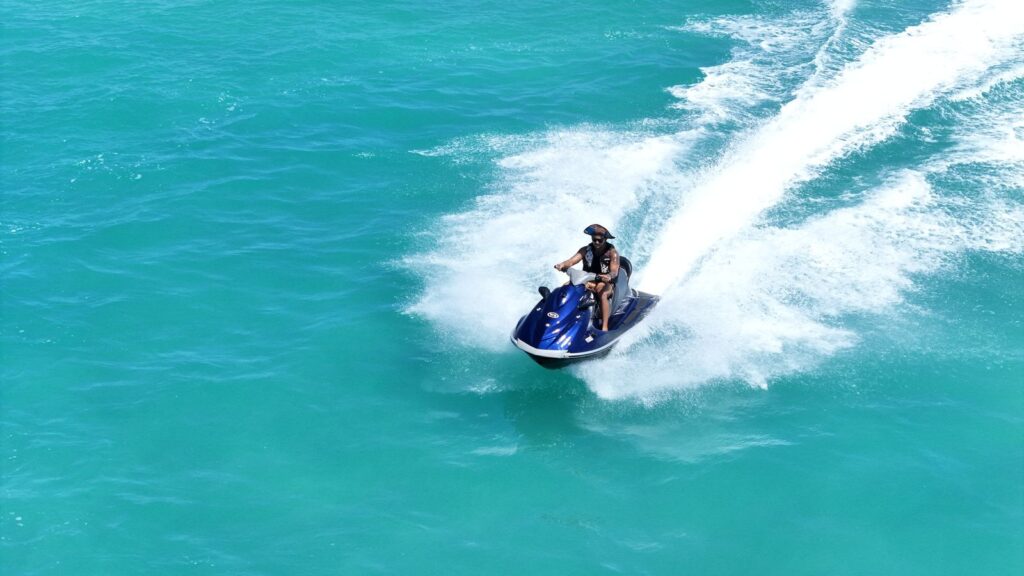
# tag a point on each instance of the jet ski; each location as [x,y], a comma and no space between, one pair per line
[564,326]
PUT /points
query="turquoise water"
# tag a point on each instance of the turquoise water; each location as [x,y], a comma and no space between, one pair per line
[260,261]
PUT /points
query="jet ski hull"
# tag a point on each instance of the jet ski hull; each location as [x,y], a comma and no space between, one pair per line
[553,342]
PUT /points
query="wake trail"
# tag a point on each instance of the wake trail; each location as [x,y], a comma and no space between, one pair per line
[745,300]
[487,259]
[864,104]
[741,299]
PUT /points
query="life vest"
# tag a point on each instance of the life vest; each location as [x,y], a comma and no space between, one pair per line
[598,262]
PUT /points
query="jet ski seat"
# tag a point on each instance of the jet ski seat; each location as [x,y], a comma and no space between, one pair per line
[622,292]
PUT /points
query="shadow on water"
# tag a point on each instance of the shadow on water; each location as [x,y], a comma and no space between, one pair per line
[547,414]
[508,396]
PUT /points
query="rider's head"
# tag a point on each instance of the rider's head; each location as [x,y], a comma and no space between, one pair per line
[598,234]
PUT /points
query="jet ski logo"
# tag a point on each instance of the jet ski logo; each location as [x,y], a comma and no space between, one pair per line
[552,314]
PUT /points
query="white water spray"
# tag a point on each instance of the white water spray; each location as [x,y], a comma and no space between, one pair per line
[863,105]
[742,300]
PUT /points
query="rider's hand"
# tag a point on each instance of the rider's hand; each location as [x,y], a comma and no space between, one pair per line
[559,268]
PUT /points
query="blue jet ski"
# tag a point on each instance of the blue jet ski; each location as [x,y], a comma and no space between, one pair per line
[563,327]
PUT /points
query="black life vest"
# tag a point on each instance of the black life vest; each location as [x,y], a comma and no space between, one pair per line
[597,261]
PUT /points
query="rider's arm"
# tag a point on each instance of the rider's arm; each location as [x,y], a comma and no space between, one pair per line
[613,266]
[562,266]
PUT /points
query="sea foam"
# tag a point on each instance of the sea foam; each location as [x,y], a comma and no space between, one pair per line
[743,299]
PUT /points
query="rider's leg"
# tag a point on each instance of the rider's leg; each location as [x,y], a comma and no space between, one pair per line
[605,306]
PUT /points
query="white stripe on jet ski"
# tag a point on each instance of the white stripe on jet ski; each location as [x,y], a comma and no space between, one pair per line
[556,353]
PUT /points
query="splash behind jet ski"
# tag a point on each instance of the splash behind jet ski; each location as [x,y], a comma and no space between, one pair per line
[563,327]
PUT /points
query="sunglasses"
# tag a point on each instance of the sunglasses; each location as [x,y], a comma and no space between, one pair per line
[597,237]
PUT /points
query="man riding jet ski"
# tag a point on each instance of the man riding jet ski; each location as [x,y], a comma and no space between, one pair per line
[563,327]
[600,258]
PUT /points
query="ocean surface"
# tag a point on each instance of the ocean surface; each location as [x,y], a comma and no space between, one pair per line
[260,261]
